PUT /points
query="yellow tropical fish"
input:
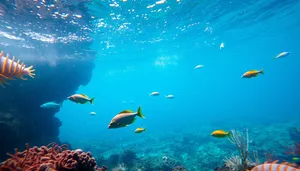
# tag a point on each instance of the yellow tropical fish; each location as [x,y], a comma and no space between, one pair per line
[220,134]
[252,73]
[125,118]
[140,130]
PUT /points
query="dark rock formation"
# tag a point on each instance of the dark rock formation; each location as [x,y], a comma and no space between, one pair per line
[62,59]
[21,118]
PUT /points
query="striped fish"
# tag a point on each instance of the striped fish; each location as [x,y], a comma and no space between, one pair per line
[275,167]
[9,69]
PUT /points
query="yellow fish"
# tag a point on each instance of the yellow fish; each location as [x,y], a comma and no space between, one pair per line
[140,130]
[125,118]
[252,73]
[220,134]
[81,98]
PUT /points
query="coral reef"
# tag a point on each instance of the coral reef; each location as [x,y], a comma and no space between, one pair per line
[114,159]
[294,150]
[156,163]
[294,133]
[196,151]
[120,167]
[46,158]
[128,157]
[179,168]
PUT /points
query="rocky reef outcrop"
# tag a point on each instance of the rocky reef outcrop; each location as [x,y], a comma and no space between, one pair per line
[22,119]
[60,52]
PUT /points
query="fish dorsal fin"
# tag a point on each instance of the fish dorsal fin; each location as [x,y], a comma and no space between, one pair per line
[285,163]
[126,111]
[271,162]
[84,95]
[289,164]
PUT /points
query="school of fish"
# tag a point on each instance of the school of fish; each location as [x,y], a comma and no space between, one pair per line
[10,69]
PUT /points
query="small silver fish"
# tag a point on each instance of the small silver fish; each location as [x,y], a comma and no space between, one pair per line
[51,105]
[170,96]
[282,54]
[199,66]
[155,93]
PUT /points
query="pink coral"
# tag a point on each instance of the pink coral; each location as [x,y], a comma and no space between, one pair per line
[54,158]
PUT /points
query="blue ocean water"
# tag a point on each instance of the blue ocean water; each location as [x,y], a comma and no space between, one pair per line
[146,46]
[141,50]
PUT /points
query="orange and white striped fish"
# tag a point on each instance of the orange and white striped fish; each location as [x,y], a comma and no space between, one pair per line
[275,167]
[9,69]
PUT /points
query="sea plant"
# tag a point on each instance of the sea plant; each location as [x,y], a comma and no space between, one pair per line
[242,161]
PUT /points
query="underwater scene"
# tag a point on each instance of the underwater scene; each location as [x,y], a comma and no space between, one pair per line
[149,85]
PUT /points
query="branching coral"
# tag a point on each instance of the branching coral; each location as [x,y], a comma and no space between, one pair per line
[54,158]
[242,144]
[233,162]
[242,162]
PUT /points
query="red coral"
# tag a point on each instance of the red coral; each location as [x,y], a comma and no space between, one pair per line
[45,158]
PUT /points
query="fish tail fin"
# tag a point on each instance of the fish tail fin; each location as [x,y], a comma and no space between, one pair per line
[229,134]
[149,94]
[139,112]
[92,100]
[262,71]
